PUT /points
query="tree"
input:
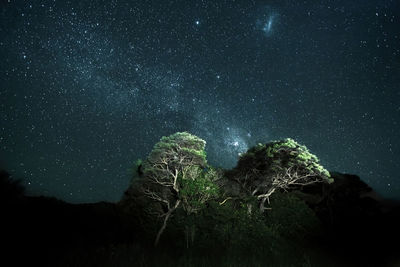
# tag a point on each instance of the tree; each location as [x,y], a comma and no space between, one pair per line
[280,165]
[175,175]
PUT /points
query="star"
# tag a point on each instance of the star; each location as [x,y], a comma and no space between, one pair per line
[94,91]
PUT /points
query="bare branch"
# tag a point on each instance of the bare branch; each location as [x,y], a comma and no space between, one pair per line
[167,215]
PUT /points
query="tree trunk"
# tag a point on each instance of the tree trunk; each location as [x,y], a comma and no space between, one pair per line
[249,209]
[187,236]
[167,215]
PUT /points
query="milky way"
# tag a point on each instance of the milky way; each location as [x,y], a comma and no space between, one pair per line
[87,87]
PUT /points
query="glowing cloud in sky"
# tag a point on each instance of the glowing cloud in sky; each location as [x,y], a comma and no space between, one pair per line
[268,25]
[234,143]
[266,21]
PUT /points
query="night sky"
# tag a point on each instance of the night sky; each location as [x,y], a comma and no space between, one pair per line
[87,87]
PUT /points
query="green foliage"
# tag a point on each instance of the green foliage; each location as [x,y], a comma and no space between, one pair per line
[288,153]
[177,170]
[174,177]
[278,156]
[230,228]
[291,218]
[138,162]
[181,140]
[195,192]
[175,147]
[134,171]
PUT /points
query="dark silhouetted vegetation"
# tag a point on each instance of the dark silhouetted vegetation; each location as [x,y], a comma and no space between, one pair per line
[180,211]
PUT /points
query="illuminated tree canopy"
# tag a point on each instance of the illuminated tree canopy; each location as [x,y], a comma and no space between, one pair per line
[175,176]
[279,165]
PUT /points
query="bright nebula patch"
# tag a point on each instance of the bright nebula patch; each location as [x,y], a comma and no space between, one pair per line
[266,21]
[234,143]
[268,25]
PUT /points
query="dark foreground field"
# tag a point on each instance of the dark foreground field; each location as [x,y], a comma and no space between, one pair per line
[354,231]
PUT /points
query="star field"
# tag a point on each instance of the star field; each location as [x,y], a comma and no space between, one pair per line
[88,87]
